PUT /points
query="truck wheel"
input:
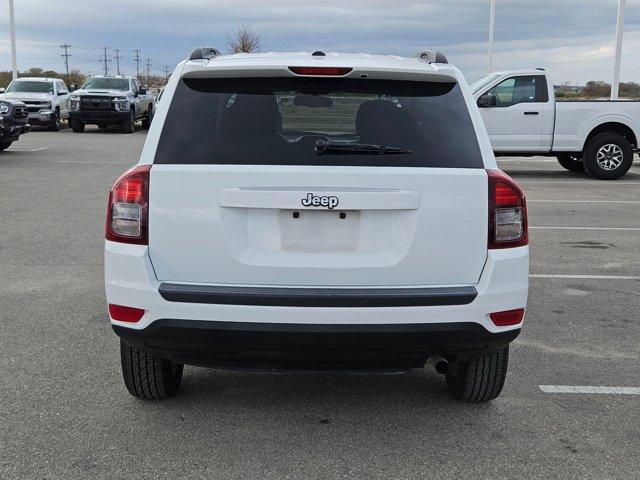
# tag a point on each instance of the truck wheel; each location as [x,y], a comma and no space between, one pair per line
[128,126]
[54,126]
[76,125]
[608,156]
[479,380]
[570,162]
[148,376]
[5,145]
[146,121]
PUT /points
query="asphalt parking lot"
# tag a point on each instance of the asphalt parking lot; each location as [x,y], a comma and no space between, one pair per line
[64,411]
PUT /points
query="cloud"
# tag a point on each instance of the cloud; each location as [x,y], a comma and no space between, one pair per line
[573,37]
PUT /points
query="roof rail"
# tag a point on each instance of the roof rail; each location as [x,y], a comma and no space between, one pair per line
[201,53]
[431,56]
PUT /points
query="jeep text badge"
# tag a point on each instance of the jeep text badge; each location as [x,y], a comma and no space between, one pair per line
[312,200]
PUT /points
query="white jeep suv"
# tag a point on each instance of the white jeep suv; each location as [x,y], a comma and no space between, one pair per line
[312,211]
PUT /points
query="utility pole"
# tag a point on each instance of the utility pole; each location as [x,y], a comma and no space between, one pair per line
[138,60]
[492,26]
[615,86]
[148,69]
[117,50]
[166,74]
[12,27]
[66,55]
[105,60]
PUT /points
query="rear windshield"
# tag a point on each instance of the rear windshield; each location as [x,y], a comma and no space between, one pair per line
[282,121]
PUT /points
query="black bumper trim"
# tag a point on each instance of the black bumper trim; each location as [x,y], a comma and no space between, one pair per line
[99,115]
[318,297]
[283,346]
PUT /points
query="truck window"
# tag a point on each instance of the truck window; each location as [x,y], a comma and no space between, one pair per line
[514,90]
[277,121]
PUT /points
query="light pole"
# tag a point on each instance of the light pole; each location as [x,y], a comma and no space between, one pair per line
[615,86]
[492,25]
[12,25]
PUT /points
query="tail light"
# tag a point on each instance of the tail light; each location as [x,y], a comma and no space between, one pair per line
[508,317]
[125,314]
[507,212]
[321,71]
[128,208]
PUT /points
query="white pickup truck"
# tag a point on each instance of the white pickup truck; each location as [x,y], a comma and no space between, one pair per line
[522,118]
[45,98]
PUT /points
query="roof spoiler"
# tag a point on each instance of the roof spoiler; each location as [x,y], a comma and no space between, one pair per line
[202,53]
[431,56]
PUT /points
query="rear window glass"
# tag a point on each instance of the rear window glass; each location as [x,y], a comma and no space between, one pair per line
[318,121]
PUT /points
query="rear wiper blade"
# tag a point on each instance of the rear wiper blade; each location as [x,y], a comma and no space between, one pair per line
[325,147]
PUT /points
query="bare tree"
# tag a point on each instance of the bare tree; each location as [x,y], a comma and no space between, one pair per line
[245,40]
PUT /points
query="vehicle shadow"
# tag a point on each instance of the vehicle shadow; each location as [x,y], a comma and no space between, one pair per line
[314,392]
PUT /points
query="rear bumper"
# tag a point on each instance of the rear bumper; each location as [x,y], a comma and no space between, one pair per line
[222,325]
[281,346]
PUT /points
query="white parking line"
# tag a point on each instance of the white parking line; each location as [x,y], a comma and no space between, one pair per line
[590,390]
[526,159]
[635,202]
[619,229]
[586,277]
[26,149]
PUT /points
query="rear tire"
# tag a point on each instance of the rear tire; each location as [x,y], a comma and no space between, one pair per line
[480,379]
[5,145]
[608,156]
[148,376]
[128,125]
[570,162]
[76,125]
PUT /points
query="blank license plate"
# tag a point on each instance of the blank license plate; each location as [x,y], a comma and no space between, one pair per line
[319,230]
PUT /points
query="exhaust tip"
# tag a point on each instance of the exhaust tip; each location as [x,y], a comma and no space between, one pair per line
[439,364]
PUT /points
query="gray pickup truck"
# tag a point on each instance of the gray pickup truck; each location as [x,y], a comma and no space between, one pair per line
[110,100]
[14,118]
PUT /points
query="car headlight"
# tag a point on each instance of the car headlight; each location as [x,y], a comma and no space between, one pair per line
[74,103]
[121,104]
[4,108]
[46,105]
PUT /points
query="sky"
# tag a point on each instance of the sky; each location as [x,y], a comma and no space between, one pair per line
[573,39]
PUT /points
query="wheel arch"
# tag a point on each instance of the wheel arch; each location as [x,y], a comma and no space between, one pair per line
[613,126]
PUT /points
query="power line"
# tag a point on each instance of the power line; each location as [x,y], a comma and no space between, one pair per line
[66,55]
[137,60]
[105,60]
[117,50]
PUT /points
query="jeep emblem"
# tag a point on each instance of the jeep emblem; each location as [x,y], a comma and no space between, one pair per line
[312,200]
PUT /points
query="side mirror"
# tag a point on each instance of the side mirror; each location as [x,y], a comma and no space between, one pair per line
[142,91]
[487,100]
[2,89]
[63,92]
